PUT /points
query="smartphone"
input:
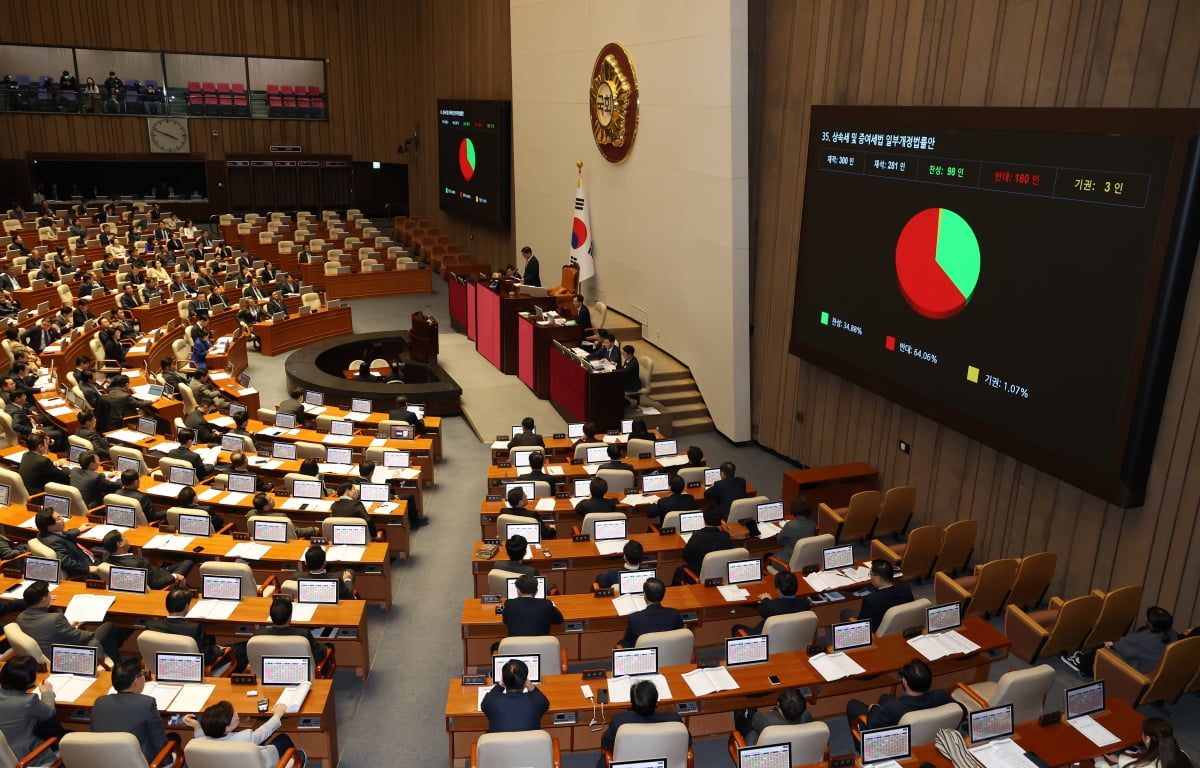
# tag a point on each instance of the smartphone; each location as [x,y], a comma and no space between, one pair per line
[175,720]
[773,680]
[602,696]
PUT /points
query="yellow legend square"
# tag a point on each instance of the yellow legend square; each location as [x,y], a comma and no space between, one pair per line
[972,374]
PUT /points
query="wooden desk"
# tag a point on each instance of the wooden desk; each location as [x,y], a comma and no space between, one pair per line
[295,332]
[313,728]
[157,316]
[833,485]
[582,394]
[464,721]
[365,285]
[535,340]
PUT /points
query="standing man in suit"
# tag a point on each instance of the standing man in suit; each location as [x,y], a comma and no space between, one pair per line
[131,711]
[177,623]
[655,617]
[676,501]
[527,435]
[728,489]
[36,470]
[786,584]
[533,271]
[711,538]
[517,705]
[118,553]
[49,628]
[92,484]
[527,615]
[886,595]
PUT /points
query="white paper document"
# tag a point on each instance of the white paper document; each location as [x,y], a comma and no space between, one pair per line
[62,410]
[672,461]
[706,681]
[192,698]
[209,495]
[126,436]
[345,553]
[165,489]
[733,593]
[768,530]
[214,610]
[337,469]
[545,504]
[591,469]
[294,696]
[611,546]
[634,499]
[233,498]
[942,644]
[88,608]
[627,604]
[68,688]
[170,542]
[1001,753]
[98,532]
[222,421]
[823,581]
[618,687]
[337,439]
[248,550]
[163,693]
[210,455]
[1095,733]
[554,469]
[303,612]
[835,666]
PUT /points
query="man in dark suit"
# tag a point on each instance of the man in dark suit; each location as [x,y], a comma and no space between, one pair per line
[401,413]
[118,552]
[87,431]
[129,299]
[281,625]
[583,319]
[606,349]
[121,402]
[292,404]
[643,701]
[614,459]
[184,452]
[41,335]
[314,561]
[633,375]
[275,304]
[886,595]
[596,502]
[348,505]
[533,270]
[254,291]
[206,432]
[515,547]
[727,490]
[916,679]
[516,705]
[527,615]
[49,628]
[655,617]
[537,460]
[711,538]
[92,484]
[527,435]
[130,479]
[74,559]
[177,623]
[36,470]
[287,285]
[676,501]
[786,584]
[131,711]
[633,552]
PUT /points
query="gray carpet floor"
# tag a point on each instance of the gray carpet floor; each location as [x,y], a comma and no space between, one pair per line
[395,719]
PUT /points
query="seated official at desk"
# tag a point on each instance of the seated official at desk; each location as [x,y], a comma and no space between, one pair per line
[676,501]
[801,526]
[728,489]
[916,679]
[1161,750]
[614,459]
[517,506]
[632,552]
[527,436]
[35,468]
[281,626]
[314,561]
[264,504]
[74,559]
[515,547]
[186,439]
[119,552]
[655,617]
[293,404]
[49,628]
[92,484]
[364,373]
[887,594]
[219,722]
[177,623]
[787,584]
[528,615]
[27,719]
[87,431]
[348,505]
[514,704]
[130,480]
[639,431]
[537,460]
[131,711]
[791,709]
[711,538]
[643,702]
[606,351]
[596,502]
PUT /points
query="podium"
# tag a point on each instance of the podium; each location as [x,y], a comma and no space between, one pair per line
[423,339]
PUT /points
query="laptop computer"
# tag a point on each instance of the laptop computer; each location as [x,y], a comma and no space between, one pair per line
[147,425]
[286,670]
[835,558]
[575,430]
[991,723]
[531,531]
[656,483]
[350,535]
[1085,699]
[516,430]
[74,452]
[179,667]
[195,525]
[314,398]
[610,530]
[317,591]
[597,454]
[374,492]
[239,483]
[766,756]
[634,582]
[396,459]
[851,634]
[286,451]
[511,591]
[942,618]
[120,516]
[635,662]
[743,571]
[269,531]
[665,448]
[524,485]
[220,587]
[879,744]
[740,651]
[690,522]
[711,476]
[532,660]
[125,579]
[73,660]
[307,489]
[232,443]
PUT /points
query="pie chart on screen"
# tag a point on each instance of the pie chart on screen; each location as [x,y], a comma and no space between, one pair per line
[466,158]
[937,263]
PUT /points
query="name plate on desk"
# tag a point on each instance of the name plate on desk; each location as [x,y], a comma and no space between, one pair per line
[495,542]
[666,531]
[94,584]
[493,497]
[240,536]
[594,674]
[318,541]
[489,599]
[603,592]
[644,455]
[475,680]
[559,436]
[573,626]
[695,484]
[581,537]
[504,464]
[562,495]
[242,679]
[1050,718]
[715,581]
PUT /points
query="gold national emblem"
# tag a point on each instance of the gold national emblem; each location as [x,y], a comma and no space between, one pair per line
[613,103]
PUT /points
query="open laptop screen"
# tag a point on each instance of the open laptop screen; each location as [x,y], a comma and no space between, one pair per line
[575,430]
[319,591]
[852,634]
[314,398]
[59,504]
[532,660]
[626,426]
[520,459]
[147,426]
[402,431]
[635,661]
[665,448]
[1085,699]
[73,660]
[882,744]
[838,557]
[941,618]
[120,516]
[526,486]
[128,462]
[232,443]
[286,670]
[991,723]
[195,525]
[179,667]
[236,408]
[123,579]
[746,650]
[634,582]
[766,756]
[343,456]
[608,530]
[582,488]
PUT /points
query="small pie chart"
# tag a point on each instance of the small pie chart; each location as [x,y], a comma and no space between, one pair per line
[937,263]
[466,158]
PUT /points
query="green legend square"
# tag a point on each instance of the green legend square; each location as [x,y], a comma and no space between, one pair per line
[824,318]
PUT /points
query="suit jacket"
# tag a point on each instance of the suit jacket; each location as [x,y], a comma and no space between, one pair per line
[99,442]
[793,530]
[250,292]
[655,617]
[73,559]
[348,507]
[514,567]
[533,272]
[1143,649]
[142,500]
[344,590]
[726,491]
[542,476]
[19,712]
[703,541]
[891,708]
[193,629]
[592,504]
[276,306]
[527,438]
[617,464]
[516,711]
[36,470]
[156,578]
[877,603]
[675,502]
[48,628]
[318,652]
[204,431]
[530,616]
[92,486]
[405,415]
[609,739]
[134,713]
[291,406]
[20,420]
[633,377]
[124,403]
[130,300]
[763,720]
[584,318]
[193,458]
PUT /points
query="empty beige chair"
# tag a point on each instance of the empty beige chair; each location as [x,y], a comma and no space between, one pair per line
[266,415]
[1057,629]
[119,451]
[11,438]
[896,512]
[84,749]
[1166,682]
[24,644]
[64,295]
[517,749]
[1025,689]
[958,543]
[637,446]
[498,581]
[553,655]
[582,449]
[915,557]
[1118,611]
[905,616]
[181,349]
[714,563]
[618,479]
[982,593]
[924,724]
[1034,574]
[117,499]
[241,571]
[853,522]
[17,495]
[675,646]
[641,741]
[790,631]
[809,741]
[78,507]
[806,552]
[332,266]
[741,509]
[206,753]
[588,525]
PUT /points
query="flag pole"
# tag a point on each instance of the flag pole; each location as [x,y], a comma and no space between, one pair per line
[579,181]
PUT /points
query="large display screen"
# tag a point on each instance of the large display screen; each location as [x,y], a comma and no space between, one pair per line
[475,159]
[1016,274]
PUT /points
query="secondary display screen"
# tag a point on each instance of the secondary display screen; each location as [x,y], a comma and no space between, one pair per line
[1000,271]
[475,159]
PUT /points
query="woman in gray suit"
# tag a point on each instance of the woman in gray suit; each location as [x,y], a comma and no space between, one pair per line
[27,719]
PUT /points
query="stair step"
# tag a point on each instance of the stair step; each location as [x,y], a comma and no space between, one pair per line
[686,397]
[671,375]
[674,386]
[691,426]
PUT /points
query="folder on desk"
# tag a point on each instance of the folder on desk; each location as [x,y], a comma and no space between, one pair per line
[192,698]
[88,608]
[68,688]
[214,610]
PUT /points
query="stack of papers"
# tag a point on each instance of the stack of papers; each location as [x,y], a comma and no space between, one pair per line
[295,695]
[1095,733]
[215,610]
[635,499]
[62,410]
[545,504]
[627,604]
[706,681]
[221,421]
[31,523]
[356,416]
[302,611]
[68,688]
[314,410]
[382,509]
[166,446]
[270,431]
[611,546]
[733,593]
[192,698]
[942,644]
[165,489]
[823,581]
[1001,753]
[248,550]
[500,445]
[171,542]
[345,553]
[85,609]
[835,666]
[98,532]
[210,455]
[14,458]
[672,461]
[618,687]
[768,530]
[17,589]
[337,439]
[126,436]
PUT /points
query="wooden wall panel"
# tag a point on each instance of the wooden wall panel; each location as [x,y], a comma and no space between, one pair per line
[1112,53]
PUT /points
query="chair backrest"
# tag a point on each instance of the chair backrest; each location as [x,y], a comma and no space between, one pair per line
[83,749]
[743,508]
[166,462]
[921,551]
[993,583]
[498,581]
[1025,689]
[503,750]
[11,438]
[925,723]
[675,646]
[582,449]
[289,525]
[23,643]
[503,521]
[958,543]
[637,741]
[545,645]
[150,642]
[41,549]
[518,450]
[7,758]
[306,450]
[897,510]
[808,551]
[207,753]
[125,501]
[692,474]
[266,415]
[277,645]
[790,631]
[78,507]
[1118,611]
[808,740]
[173,514]
[1179,664]
[618,479]
[181,349]
[645,373]
[1075,620]
[589,521]
[17,495]
[714,562]
[637,446]
[601,313]
[860,516]
[117,451]
[328,523]
[241,570]
[904,616]
[311,300]
[1033,579]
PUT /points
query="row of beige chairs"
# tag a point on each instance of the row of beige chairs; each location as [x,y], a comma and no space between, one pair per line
[1021,581]
[83,749]
[930,549]
[870,513]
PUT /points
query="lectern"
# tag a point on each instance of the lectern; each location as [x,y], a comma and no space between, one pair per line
[423,339]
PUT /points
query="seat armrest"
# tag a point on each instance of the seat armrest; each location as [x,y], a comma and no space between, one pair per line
[856,728]
[37,752]
[828,518]
[1122,680]
[1057,602]
[228,527]
[556,754]
[881,551]
[736,742]
[968,691]
[604,753]
[775,560]
[691,758]
[286,758]
[271,581]
[1026,635]
[172,747]
[227,657]
[575,530]
[687,572]
[947,590]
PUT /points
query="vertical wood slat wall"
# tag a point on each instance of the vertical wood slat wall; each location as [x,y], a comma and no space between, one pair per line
[388,61]
[1066,53]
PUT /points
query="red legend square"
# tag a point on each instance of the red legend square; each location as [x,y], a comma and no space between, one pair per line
[890,343]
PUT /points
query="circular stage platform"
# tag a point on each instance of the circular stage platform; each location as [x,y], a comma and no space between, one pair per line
[321,367]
